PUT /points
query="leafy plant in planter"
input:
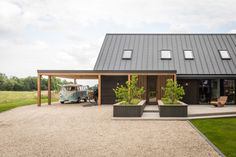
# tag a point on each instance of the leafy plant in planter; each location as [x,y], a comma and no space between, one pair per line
[173,92]
[129,93]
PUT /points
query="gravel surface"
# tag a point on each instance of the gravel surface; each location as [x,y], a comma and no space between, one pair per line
[74,130]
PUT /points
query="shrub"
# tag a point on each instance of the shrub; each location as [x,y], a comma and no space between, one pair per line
[129,93]
[173,92]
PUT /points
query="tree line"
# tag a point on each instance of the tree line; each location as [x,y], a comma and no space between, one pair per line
[27,84]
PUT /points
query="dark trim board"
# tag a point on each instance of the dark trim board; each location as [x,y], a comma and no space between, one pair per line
[203,76]
[106,71]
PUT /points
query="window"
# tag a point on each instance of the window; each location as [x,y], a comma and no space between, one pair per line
[165,54]
[127,54]
[224,54]
[188,54]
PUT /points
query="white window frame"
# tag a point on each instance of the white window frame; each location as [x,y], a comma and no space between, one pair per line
[223,53]
[127,56]
[168,57]
[191,57]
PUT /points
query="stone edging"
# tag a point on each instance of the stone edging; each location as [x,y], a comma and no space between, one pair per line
[207,140]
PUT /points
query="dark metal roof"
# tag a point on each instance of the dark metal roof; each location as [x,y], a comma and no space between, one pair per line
[147,52]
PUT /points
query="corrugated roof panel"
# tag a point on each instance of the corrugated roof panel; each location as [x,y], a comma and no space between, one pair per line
[232,49]
[103,60]
[214,49]
[192,62]
[114,53]
[201,55]
[140,53]
[199,65]
[180,55]
[219,47]
[186,62]
[227,47]
[147,53]
[112,45]
[176,62]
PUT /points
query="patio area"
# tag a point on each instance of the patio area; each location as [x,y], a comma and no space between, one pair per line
[207,110]
[151,112]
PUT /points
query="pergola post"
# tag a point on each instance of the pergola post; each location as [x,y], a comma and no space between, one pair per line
[175,77]
[129,78]
[49,90]
[99,91]
[75,81]
[39,89]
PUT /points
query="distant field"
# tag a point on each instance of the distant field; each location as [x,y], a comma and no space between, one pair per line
[12,99]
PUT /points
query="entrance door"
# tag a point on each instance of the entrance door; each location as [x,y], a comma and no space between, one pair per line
[152,89]
[204,91]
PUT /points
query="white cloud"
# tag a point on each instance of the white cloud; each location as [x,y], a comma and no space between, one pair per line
[59,34]
[232,31]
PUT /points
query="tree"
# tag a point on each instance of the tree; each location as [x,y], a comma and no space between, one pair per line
[3,79]
[173,92]
[27,84]
[129,92]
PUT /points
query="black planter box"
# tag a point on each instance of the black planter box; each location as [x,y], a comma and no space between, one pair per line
[173,110]
[128,110]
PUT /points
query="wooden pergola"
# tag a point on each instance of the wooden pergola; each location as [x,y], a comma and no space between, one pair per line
[90,74]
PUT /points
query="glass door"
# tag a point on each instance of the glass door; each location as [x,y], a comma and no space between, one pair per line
[229,90]
[215,89]
[152,89]
[204,91]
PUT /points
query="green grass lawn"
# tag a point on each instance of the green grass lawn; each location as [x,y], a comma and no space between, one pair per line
[12,99]
[221,132]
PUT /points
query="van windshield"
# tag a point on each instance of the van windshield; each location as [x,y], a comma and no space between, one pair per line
[70,88]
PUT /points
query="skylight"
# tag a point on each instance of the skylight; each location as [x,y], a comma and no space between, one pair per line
[224,54]
[127,54]
[165,54]
[188,54]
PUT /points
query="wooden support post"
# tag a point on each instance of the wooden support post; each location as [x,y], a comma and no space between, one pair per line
[175,77]
[129,78]
[99,91]
[49,90]
[39,90]
[74,81]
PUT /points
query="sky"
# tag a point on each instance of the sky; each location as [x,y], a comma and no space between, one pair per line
[68,34]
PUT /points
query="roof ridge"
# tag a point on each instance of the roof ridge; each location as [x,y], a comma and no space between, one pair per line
[170,33]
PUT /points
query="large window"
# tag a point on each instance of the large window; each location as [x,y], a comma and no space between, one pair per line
[215,89]
[127,54]
[224,54]
[229,90]
[188,54]
[165,54]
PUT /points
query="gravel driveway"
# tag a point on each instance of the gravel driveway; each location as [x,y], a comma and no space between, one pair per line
[74,130]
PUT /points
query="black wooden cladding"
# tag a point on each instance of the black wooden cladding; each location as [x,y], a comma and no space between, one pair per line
[108,83]
[191,88]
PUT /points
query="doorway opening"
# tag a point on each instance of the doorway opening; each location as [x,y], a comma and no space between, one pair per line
[152,90]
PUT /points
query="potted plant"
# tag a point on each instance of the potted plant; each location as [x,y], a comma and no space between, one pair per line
[129,99]
[170,105]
